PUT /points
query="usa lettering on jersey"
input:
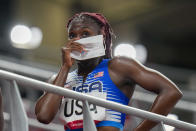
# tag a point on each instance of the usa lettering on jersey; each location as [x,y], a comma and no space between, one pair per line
[73,109]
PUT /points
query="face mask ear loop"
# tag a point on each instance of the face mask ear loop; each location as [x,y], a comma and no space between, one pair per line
[104,37]
[104,42]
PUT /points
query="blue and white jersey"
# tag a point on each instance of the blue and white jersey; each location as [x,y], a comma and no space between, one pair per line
[98,84]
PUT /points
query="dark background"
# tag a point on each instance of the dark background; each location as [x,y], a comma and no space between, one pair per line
[167,28]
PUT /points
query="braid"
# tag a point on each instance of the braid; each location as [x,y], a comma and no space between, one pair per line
[104,25]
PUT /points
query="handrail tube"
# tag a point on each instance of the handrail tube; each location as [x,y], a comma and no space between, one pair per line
[29,82]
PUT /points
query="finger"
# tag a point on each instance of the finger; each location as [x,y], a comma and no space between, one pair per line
[75,43]
[74,46]
[76,49]
[80,46]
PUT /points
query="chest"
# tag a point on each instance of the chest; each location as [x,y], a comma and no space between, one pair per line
[94,82]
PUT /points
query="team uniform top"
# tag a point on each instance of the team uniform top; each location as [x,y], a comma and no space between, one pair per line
[98,84]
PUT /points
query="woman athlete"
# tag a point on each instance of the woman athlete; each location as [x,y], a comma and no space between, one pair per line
[109,78]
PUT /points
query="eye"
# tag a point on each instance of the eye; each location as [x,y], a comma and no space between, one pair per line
[85,34]
[72,35]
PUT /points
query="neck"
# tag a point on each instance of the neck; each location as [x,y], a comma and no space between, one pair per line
[87,66]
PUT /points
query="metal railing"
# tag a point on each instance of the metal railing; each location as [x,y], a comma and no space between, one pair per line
[28,82]
[33,123]
[15,116]
[18,120]
[6,86]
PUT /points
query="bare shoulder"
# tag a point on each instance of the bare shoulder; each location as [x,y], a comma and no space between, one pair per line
[124,63]
[121,60]
[128,67]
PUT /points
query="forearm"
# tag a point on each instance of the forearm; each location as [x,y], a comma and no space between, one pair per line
[62,76]
[48,105]
[162,105]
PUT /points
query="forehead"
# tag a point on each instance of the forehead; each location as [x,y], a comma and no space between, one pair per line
[81,24]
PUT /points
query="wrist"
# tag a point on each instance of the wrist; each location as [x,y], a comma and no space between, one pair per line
[62,75]
[64,70]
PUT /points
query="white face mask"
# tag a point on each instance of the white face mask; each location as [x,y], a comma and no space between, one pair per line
[93,45]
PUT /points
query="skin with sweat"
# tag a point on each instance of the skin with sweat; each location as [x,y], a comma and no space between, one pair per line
[124,72]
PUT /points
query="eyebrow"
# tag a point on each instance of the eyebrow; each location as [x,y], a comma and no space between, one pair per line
[72,30]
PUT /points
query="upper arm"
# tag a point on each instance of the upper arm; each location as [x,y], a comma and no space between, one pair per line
[145,77]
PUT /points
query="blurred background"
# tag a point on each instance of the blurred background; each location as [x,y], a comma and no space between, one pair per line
[159,33]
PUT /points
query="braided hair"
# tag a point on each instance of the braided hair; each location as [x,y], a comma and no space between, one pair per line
[104,25]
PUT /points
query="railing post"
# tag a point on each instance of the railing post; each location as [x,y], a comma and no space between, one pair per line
[88,123]
[159,127]
[14,106]
[162,126]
